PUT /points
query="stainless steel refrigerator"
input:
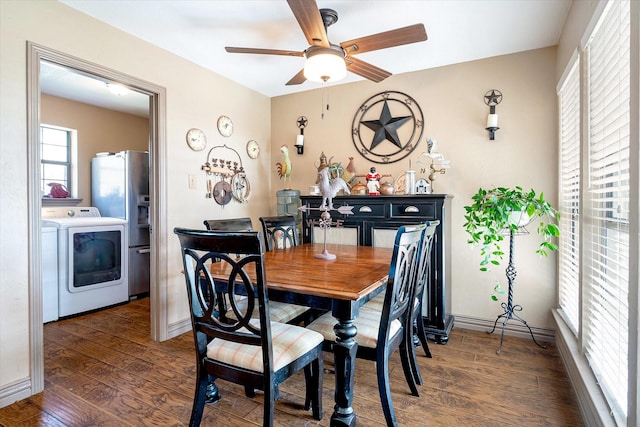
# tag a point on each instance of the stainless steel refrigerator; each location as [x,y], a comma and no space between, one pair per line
[120,189]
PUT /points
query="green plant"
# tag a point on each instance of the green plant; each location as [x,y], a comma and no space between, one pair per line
[490,218]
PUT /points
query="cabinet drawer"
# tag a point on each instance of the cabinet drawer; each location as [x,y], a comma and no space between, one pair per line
[367,209]
[423,210]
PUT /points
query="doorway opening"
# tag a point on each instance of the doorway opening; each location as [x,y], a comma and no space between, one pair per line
[36,56]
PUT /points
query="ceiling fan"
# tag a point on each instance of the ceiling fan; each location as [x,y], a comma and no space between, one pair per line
[330,62]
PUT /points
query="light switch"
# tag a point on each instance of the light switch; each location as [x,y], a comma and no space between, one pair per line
[192,181]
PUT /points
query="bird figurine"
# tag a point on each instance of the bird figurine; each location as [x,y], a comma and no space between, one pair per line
[349,174]
[284,168]
[330,188]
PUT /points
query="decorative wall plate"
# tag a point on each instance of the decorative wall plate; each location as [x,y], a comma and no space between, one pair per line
[253,149]
[196,139]
[225,126]
[240,187]
[387,127]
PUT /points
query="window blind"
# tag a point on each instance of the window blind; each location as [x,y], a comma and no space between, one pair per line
[569,198]
[606,221]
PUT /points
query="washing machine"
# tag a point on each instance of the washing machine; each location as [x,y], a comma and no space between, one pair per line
[92,258]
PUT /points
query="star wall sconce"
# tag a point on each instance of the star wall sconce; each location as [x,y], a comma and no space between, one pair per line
[301,123]
[492,98]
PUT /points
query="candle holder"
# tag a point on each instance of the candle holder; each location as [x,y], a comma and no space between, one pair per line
[492,98]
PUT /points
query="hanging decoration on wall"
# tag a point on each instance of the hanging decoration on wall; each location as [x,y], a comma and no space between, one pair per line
[387,127]
[226,179]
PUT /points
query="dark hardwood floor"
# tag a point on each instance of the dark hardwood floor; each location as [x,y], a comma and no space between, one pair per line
[101,369]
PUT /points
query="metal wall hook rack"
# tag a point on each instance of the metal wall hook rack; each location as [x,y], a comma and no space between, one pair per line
[222,166]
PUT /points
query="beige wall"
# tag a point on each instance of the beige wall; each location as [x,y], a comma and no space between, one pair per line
[524,153]
[574,29]
[98,130]
[195,98]
[451,98]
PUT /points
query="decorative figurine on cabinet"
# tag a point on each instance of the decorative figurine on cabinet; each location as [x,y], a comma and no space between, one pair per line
[373,182]
[329,189]
[284,169]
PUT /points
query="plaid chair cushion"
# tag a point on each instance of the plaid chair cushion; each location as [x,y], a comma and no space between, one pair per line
[289,342]
[377,302]
[279,311]
[367,322]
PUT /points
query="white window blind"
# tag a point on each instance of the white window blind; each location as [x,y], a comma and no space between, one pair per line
[569,199]
[606,221]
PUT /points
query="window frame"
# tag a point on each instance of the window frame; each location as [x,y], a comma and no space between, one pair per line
[70,163]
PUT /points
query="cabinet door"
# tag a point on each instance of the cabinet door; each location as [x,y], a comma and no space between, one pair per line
[344,235]
[383,234]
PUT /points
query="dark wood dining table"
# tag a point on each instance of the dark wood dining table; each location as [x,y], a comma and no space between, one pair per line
[341,285]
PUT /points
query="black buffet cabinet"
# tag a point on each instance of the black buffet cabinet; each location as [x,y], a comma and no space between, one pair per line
[372,216]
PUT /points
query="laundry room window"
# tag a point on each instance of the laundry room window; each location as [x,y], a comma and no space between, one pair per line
[56,157]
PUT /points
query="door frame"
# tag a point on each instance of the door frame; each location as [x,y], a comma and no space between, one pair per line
[157,188]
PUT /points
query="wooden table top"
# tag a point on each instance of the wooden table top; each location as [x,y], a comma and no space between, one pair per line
[356,271]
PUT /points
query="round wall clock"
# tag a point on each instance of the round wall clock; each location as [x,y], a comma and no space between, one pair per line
[253,149]
[225,126]
[196,139]
[387,127]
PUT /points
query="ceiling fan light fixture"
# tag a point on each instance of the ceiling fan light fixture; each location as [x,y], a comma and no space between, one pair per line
[325,64]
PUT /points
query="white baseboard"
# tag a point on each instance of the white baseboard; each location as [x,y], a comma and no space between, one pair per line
[15,391]
[178,328]
[513,328]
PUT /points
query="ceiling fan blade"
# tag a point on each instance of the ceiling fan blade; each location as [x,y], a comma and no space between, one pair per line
[297,79]
[405,35]
[310,20]
[366,70]
[263,51]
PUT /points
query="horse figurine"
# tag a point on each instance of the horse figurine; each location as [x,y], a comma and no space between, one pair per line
[330,189]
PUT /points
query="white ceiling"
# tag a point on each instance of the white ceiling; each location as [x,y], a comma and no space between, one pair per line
[458,31]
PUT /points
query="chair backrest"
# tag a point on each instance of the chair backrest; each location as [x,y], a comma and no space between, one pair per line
[240,274]
[402,275]
[280,231]
[424,266]
[229,224]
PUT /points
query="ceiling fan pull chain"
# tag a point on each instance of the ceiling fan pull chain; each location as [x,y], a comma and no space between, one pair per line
[325,94]
[322,101]
[327,89]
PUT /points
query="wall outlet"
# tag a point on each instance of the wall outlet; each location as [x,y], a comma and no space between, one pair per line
[192,181]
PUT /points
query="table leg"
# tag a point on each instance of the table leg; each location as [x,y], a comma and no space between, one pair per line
[344,353]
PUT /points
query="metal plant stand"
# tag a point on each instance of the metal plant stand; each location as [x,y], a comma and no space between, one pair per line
[509,308]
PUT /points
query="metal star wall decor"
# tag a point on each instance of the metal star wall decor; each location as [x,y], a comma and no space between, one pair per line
[493,97]
[387,127]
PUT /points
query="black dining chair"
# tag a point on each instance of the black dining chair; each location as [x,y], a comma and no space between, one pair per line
[416,334]
[249,349]
[416,325]
[381,332]
[229,224]
[279,231]
[280,311]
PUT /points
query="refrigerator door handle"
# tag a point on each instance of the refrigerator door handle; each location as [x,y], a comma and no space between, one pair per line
[144,251]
